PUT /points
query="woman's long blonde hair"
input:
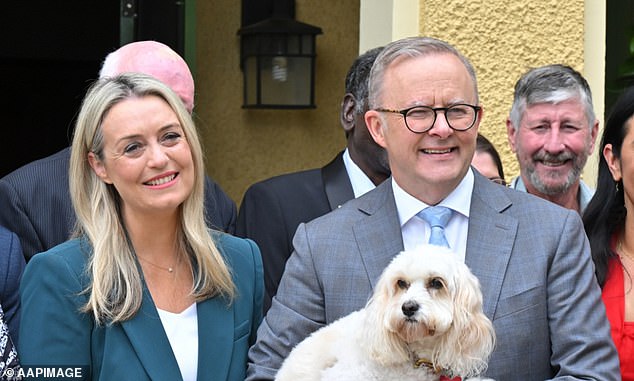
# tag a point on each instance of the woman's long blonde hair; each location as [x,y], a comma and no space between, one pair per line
[115,291]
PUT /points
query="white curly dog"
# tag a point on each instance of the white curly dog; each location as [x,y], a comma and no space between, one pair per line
[424,322]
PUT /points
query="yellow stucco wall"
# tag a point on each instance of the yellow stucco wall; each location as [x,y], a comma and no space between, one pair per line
[243,146]
[503,39]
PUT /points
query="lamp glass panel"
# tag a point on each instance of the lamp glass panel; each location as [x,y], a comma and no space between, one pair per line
[286,80]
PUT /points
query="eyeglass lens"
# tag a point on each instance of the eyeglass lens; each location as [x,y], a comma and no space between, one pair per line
[458,117]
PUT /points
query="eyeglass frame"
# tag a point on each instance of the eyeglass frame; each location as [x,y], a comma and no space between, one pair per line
[405,111]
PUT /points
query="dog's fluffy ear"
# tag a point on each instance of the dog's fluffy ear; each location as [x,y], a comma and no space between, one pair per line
[377,339]
[466,348]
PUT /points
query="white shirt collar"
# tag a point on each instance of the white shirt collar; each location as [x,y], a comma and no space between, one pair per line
[459,199]
[361,183]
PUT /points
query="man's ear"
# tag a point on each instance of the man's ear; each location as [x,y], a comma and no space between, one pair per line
[375,126]
[594,132]
[97,166]
[510,132]
[348,106]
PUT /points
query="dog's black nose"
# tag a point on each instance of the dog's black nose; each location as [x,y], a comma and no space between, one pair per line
[409,308]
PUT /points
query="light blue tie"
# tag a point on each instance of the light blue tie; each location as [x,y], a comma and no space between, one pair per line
[437,217]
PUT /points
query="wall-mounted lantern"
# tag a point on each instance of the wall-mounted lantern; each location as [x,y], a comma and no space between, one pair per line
[277,58]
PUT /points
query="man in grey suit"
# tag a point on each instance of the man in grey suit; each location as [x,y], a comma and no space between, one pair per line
[531,256]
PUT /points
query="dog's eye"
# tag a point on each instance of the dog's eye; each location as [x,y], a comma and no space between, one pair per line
[403,285]
[435,283]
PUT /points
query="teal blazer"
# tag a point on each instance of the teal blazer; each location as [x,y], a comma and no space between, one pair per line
[54,332]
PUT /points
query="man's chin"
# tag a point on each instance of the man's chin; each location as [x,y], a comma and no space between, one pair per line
[551,182]
[552,188]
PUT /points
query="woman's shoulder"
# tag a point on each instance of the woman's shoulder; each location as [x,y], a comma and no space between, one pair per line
[237,251]
[62,267]
[71,255]
[232,245]
[243,258]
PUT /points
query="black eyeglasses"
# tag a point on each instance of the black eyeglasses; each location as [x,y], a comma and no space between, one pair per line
[419,119]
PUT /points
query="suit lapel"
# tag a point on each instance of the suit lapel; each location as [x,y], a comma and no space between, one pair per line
[147,337]
[489,242]
[490,239]
[215,338]
[378,236]
[215,335]
[336,182]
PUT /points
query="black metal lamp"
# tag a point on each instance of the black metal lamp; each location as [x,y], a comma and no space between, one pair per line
[277,58]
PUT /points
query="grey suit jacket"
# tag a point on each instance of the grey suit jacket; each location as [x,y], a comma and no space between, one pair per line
[532,259]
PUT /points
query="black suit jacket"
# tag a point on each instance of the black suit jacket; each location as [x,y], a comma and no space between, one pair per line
[272,210]
[36,204]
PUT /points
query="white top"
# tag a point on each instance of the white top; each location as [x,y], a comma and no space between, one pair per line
[361,183]
[416,232]
[182,332]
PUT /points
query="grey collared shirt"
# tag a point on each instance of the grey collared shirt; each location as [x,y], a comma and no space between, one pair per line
[584,195]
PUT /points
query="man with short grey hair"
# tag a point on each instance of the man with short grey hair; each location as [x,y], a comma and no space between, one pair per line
[552,130]
[531,257]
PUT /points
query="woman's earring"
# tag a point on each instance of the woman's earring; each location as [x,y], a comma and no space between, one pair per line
[617,186]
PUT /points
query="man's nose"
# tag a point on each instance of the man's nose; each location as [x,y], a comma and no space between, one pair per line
[554,142]
[441,126]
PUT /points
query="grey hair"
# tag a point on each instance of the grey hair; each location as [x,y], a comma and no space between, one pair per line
[411,47]
[550,84]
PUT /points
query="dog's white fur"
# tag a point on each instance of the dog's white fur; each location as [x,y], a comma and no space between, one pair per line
[445,325]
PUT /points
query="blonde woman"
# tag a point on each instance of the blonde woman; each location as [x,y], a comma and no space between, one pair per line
[144,291]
